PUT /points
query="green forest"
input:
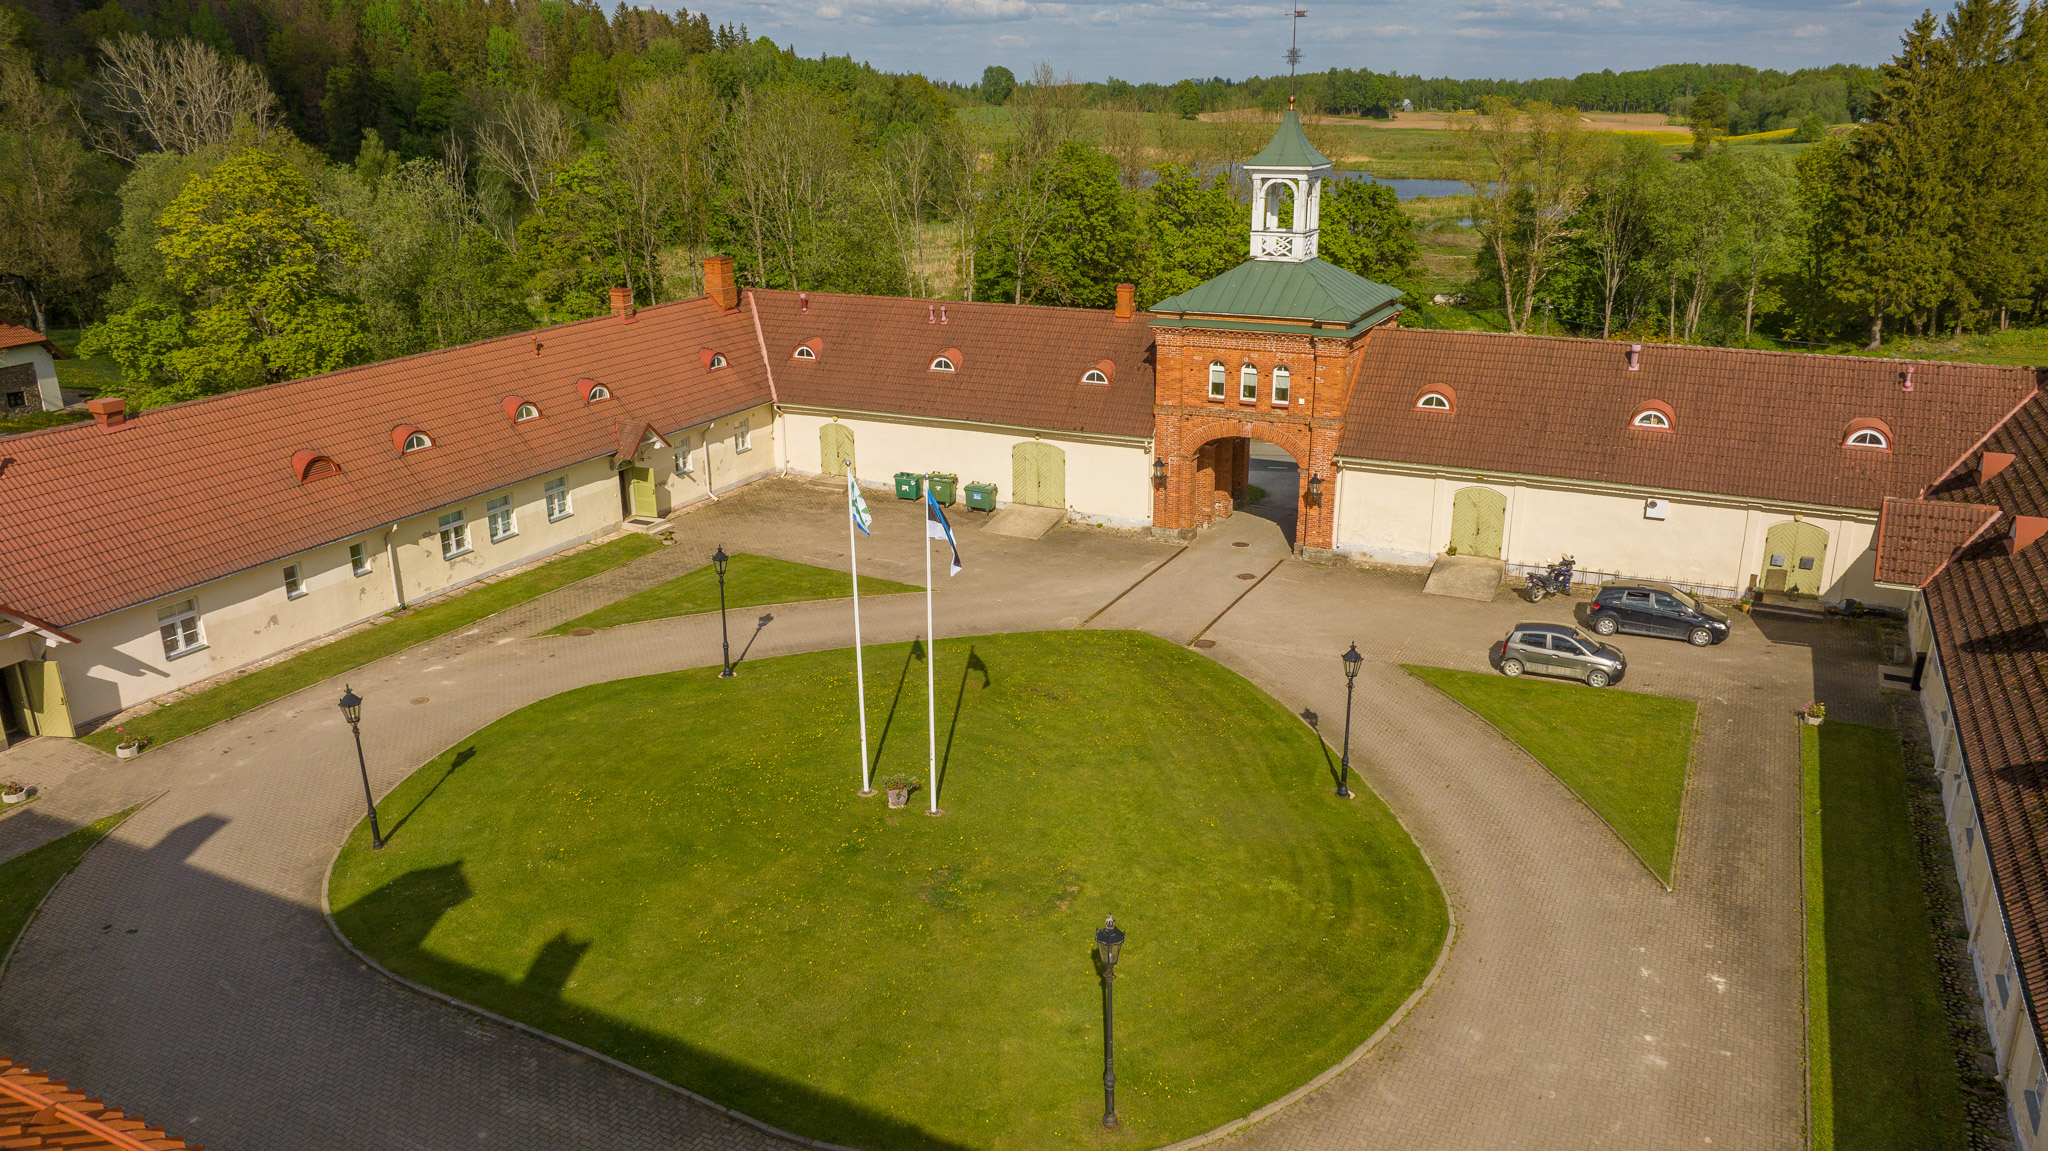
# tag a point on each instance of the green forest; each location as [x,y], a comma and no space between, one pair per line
[211,194]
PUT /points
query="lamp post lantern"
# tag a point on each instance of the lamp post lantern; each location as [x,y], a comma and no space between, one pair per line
[1352,660]
[352,712]
[1109,942]
[1159,472]
[718,560]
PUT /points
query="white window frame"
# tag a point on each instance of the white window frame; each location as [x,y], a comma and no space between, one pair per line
[179,628]
[525,412]
[597,392]
[1855,440]
[359,559]
[1248,383]
[1651,418]
[743,437]
[1217,382]
[942,364]
[804,352]
[503,518]
[1283,385]
[1442,404]
[416,442]
[685,463]
[454,531]
[294,582]
[1094,376]
[555,495]
[717,360]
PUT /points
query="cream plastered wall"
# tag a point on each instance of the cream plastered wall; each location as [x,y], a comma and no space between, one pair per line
[1404,517]
[19,648]
[1108,478]
[46,372]
[119,660]
[716,462]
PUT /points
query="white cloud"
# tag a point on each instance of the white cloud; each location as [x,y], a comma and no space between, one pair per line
[1809,31]
[1477,33]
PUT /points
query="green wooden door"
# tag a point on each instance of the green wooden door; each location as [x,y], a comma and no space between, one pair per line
[1479,518]
[1038,475]
[835,449]
[1793,557]
[39,688]
[643,492]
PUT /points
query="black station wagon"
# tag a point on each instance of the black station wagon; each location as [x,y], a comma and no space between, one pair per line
[1655,609]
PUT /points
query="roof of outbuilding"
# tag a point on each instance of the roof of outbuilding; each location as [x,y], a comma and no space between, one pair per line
[1314,290]
[1766,425]
[16,336]
[1019,367]
[100,520]
[1916,538]
[1289,148]
[37,1111]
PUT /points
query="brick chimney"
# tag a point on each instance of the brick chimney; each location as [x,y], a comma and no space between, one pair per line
[719,284]
[1126,301]
[622,303]
[109,412]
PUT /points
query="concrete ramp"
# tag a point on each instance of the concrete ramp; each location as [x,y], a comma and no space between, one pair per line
[1024,522]
[1465,577]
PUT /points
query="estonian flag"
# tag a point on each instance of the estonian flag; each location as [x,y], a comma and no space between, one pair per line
[856,506]
[936,527]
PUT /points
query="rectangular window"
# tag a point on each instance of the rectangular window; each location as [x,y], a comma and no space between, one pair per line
[503,525]
[557,492]
[179,626]
[359,559]
[1216,379]
[2035,1095]
[742,438]
[454,535]
[683,464]
[1283,386]
[294,587]
[2004,982]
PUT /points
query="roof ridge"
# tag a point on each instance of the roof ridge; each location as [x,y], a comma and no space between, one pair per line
[913,300]
[1717,349]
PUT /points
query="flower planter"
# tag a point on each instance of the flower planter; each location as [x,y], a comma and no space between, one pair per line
[899,797]
[1812,720]
[128,750]
[13,796]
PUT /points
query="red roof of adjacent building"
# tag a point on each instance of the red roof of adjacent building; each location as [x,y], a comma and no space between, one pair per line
[37,1112]
[1916,538]
[1768,425]
[16,336]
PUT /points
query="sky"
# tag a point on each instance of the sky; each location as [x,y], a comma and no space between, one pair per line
[1165,40]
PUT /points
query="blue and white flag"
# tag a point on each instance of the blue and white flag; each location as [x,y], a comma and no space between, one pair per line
[858,507]
[936,527]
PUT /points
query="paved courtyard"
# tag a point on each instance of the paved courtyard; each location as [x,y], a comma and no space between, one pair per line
[185,971]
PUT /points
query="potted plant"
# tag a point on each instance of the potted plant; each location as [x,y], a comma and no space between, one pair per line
[899,790]
[12,792]
[130,745]
[1813,713]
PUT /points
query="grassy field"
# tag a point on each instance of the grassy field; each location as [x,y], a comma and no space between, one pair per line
[26,878]
[750,581]
[1881,1069]
[1625,754]
[397,633]
[676,870]
[98,374]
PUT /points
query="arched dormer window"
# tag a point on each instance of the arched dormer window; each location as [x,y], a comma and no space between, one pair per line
[1248,382]
[948,360]
[525,412]
[712,360]
[1869,434]
[1217,373]
[1283,385]
[1434,402]
[942,364]
[593,392]
[1094,376]
[804,352]
[717,361]
[416,442]
[1099,373]
[407,438]
[1650,419]
[1654,415]
[310,465]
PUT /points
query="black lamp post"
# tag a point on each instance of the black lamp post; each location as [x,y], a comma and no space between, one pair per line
[1109,941]
[1352,661]
[352,711]
[719,560]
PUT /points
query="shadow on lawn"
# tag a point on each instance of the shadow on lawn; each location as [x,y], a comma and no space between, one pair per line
[974,664]
[915,654]
[461,757]
[394,921]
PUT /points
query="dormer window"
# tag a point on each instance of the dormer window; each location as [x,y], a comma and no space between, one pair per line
[1216,379]
[1868,434]
[1651,419]
[1283,389]
[1094,376]
[1868,438]
[417,441]
[1655,416]
[804,352]
[310,465]
[717,360]
[1248,383]
[525,412]
[942,364]
[1433,402]
[597,392]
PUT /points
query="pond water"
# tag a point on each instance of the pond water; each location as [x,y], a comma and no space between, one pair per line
[1410,189]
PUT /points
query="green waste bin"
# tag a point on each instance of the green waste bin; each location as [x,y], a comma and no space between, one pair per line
[909,486]
[942,488]
[981,497]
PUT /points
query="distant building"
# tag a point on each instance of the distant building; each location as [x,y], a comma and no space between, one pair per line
[28,372]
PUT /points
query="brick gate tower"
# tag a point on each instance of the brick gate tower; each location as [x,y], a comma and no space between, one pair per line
[1267,351]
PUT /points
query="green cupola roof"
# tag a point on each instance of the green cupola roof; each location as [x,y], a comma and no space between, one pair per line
[1311,290]
[1290,148]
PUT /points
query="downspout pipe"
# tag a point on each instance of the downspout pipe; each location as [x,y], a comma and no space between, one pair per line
[391,557]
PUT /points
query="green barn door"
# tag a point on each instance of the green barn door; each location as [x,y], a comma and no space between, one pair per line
[1479,518]
[1793,555]
[643,492]
[1038,475]
[39,691]
[835,449]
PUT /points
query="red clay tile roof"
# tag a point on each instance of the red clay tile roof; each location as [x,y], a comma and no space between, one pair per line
[15,336]
[1019,367]
[98,520]
[1989,610]
[39,1112]
[1916,538]
[1767,425]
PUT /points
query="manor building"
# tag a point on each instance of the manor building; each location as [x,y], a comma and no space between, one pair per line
[145,552]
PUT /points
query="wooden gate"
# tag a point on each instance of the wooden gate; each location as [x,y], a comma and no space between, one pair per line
[1793,556]
[1479,517]
[1038,475]
[643,492]
[835,449]
[38,691]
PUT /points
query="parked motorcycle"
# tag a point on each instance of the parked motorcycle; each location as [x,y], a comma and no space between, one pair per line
[1557,580]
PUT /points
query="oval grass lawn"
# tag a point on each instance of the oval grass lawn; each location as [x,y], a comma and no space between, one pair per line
[676,870]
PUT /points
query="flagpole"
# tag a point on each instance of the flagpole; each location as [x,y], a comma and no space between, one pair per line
[931,656]
[860,682]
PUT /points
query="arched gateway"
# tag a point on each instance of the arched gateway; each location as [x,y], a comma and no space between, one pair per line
[1264,351]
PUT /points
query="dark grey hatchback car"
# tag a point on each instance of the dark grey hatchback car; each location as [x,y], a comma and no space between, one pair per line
[1559,649]
[1655,609]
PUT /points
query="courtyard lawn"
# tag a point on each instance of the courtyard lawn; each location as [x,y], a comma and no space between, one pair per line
[1882,1070]
[676,870]
[1624,753]
[26,878]
[750,581]
[395,634]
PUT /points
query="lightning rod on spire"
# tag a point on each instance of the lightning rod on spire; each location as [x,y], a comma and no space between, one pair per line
[1293,50]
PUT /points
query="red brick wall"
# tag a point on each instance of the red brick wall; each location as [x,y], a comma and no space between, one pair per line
[1198,436]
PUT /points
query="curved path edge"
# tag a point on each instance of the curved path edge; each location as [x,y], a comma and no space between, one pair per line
[7,956]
